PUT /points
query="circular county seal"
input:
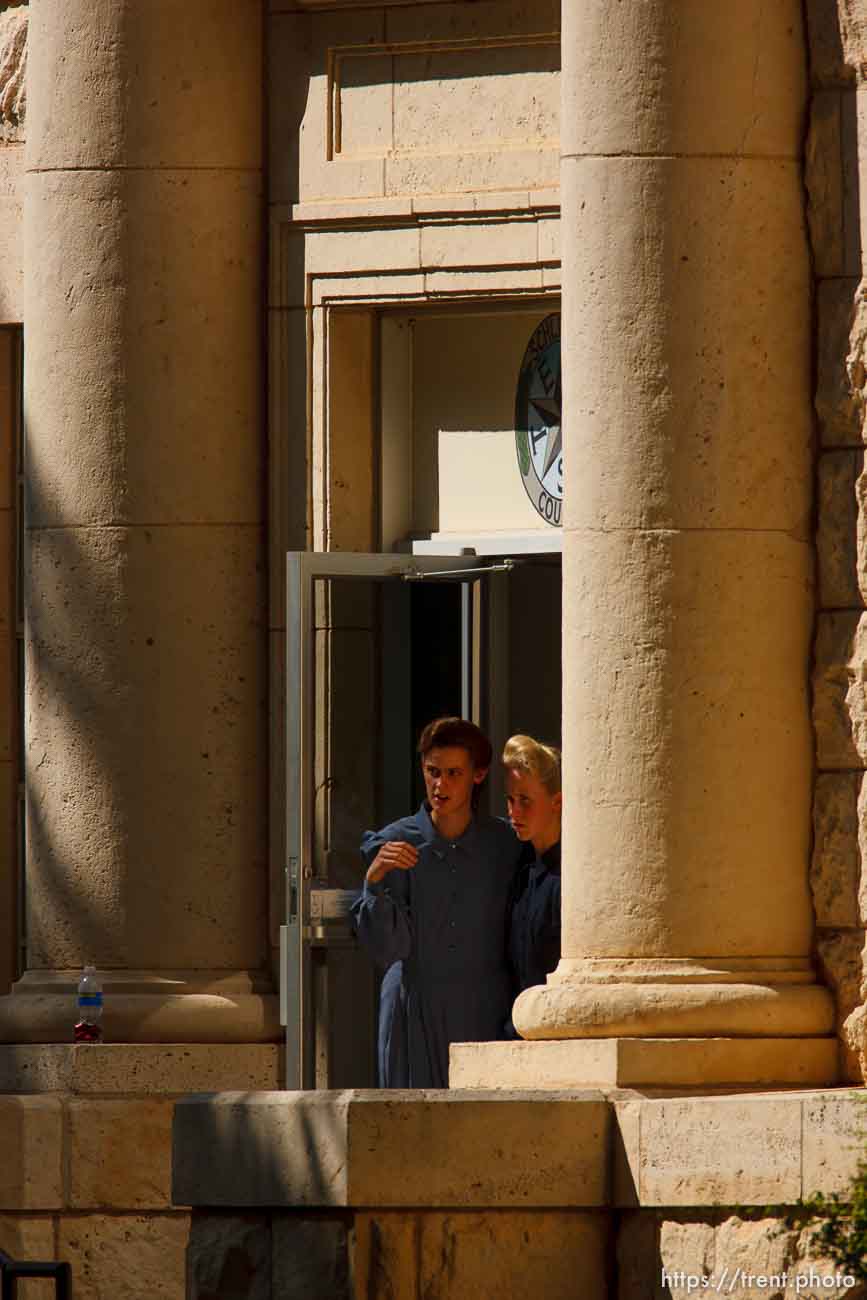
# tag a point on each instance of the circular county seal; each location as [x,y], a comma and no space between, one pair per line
[538,435]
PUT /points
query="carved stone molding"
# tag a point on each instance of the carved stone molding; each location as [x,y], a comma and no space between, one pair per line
[13,71]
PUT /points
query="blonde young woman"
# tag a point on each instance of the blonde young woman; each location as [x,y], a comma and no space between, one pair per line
[534,802]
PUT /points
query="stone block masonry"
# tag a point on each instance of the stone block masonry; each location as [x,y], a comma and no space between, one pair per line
[630,1198]
[88,1180]
[13,70]
[418,1196]
[834,170]
[86,1158]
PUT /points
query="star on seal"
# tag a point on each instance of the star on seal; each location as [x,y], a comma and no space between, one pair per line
[549,410]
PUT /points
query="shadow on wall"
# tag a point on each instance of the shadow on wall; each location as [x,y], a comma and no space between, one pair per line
[145,712]
[232,1256]
[288,39]
[833,178]
[77,678]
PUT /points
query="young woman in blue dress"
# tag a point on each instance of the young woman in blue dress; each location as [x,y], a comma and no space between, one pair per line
[534,802]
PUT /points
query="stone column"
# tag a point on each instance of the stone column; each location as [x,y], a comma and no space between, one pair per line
[145,595]
[687,556]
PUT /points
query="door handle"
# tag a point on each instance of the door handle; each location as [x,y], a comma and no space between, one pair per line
[292,899]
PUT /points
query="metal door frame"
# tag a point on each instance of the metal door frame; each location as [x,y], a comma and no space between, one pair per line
[302,569]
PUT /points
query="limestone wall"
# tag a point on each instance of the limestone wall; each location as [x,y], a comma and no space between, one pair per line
[461,1254]
[88,1181]
[10,397]
[835,179]
[660,1254]
[453,1196]
[408,1196]
[86,1164]
[13,102]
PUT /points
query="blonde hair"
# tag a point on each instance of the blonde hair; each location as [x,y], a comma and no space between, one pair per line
[531,756]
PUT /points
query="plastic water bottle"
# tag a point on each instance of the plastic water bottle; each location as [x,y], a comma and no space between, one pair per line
[88,1027]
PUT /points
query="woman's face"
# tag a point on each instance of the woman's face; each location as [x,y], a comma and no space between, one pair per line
[533,812]
[449,778]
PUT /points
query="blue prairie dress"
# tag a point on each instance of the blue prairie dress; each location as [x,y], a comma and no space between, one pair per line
[439,930]
[534,920]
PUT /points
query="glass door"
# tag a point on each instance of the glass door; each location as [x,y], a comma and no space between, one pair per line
[377,645]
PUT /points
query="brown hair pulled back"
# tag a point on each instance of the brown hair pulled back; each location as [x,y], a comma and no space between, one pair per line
[444,733]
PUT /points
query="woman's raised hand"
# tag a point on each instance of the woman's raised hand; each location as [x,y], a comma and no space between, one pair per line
[395,855]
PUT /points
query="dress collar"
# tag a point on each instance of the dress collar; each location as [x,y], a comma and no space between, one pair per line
[550,859]
[424,823]
[432,836]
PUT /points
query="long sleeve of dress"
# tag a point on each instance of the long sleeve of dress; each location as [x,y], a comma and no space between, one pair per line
[381,912]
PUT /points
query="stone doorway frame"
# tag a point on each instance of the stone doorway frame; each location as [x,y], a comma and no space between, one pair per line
[327,262]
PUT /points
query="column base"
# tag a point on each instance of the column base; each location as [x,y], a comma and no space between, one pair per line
[665,1063]
[676,999]
[146,1007]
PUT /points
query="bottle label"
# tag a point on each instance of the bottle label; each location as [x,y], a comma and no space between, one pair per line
[90,999]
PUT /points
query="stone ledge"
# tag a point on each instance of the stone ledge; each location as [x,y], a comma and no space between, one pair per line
[501,1150]
[118,1153]
[67,1153]
[752,1149]
[670,1063]
[138,1069]
[159,1017]
[414,209]
[391,1149]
